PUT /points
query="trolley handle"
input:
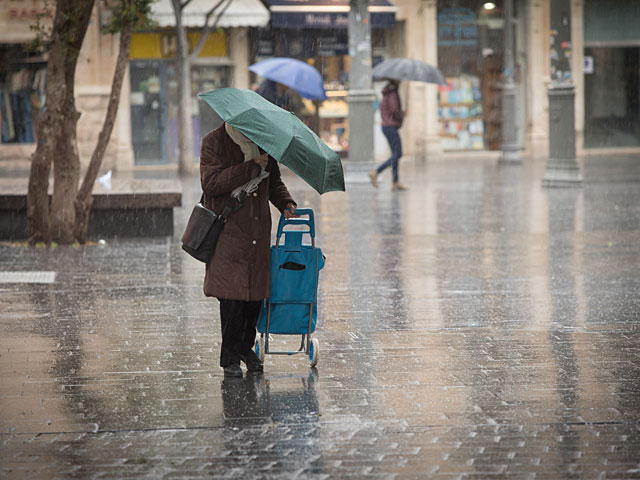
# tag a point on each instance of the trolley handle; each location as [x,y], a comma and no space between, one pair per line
[298,221]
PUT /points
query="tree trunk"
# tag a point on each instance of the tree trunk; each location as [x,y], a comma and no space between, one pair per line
[66,176]
[84,199]
[183,71]
[57,130]
[37,193]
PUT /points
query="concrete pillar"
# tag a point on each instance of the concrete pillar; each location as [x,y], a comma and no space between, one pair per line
[537,77]
[577,66]
[510,147]
[124,147]
[361,94]
[562,167]
[239,53]
[431,121]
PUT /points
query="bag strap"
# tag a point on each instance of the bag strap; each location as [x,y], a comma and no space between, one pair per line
[228,210]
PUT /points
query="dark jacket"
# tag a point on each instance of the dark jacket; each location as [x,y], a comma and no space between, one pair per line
[390,109]
[239,269]
[268,90]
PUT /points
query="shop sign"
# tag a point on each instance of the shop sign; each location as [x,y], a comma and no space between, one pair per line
[313,20]
[325,20]
[13,11]
[457,26]
[265,48]
[588,64]
[296,45]
[333,45]
[265,43]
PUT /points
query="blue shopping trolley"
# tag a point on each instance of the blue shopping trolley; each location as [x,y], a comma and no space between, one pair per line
[292,308]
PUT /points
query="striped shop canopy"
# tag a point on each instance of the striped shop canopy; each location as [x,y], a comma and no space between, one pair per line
[239,13]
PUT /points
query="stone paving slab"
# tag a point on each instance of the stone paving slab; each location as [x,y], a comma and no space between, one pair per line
[475,326]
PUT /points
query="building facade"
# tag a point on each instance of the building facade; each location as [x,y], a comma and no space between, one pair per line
[464,38]
[145,132]
[23,80]
[222,62]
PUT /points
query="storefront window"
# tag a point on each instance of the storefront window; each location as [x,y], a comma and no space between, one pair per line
[612,100]
[203,118]
[154,93]
[22,90]
[327,49]
[334,112]
[470,51]
[611,74]
[203,79]
[148,110]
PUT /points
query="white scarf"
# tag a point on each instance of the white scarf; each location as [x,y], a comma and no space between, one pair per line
[250,151]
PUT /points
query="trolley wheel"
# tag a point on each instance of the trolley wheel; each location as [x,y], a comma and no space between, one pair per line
[314,352]
[259,348]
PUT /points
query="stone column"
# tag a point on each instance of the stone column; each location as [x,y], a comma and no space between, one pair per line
[510,153]
[562,167]
[577,65]
[125,160]
[361,94]
[537,79]
[432,123]
[239,53]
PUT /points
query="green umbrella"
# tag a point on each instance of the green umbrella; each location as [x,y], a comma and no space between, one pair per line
[281,134]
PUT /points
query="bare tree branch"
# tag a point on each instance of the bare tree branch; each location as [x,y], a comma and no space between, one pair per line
[84,199]
[208,28]
[184,4]
[210,12]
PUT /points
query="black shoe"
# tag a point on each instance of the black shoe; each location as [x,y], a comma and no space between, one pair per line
[233,371]
[252,362]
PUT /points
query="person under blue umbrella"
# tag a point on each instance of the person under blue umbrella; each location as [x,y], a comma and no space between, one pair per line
[281,95]
[268,90]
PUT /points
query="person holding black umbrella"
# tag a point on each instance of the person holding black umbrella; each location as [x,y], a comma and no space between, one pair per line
[392,118]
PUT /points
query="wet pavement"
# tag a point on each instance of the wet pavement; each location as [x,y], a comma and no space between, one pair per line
[474,326]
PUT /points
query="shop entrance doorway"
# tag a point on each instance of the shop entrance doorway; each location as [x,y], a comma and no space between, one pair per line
[612,97]
[148,111]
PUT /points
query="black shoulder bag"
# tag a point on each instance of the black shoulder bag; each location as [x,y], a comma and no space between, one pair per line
[203,229]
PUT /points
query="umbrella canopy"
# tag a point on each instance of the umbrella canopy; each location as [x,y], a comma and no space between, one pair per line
[408,69]
[281,134]
[300,76]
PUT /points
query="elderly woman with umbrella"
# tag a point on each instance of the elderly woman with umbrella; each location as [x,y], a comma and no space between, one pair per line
[239,167]
[238,274]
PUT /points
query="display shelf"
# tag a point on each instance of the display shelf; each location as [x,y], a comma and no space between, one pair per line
[460,113]
[466,119]
[459,104]
[333,115]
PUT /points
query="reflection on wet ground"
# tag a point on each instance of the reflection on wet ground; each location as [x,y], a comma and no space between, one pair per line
[476,325]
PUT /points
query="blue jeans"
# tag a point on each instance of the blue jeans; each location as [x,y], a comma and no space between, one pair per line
[393,137]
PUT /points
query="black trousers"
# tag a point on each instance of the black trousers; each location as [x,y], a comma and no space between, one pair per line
[239,320]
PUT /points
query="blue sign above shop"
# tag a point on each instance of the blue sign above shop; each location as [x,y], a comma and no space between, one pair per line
[457,26]
[326,14]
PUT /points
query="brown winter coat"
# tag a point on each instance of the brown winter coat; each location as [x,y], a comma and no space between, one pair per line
[239,268]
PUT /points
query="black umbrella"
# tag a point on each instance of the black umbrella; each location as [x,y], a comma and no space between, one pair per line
[408,69]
